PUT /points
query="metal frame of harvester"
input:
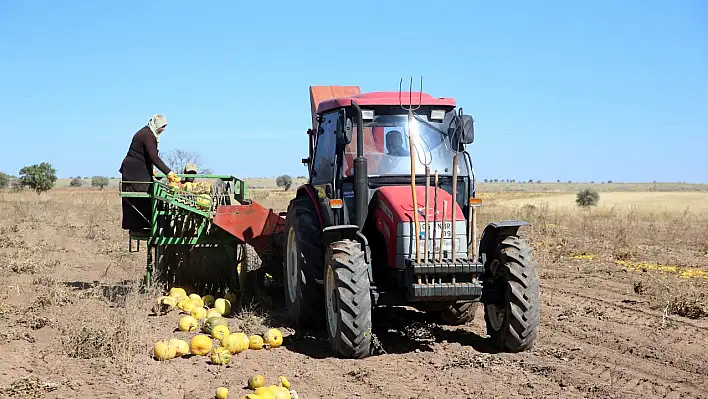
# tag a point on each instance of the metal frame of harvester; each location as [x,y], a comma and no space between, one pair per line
[362,233]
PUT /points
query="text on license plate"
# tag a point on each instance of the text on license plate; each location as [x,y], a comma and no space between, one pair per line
[440,228]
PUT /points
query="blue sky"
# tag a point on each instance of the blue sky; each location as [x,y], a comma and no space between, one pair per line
[554,86]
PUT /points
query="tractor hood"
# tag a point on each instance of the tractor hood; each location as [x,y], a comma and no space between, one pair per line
[397,203]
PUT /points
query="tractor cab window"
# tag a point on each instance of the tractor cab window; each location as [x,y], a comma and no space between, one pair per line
[324,164]
[387,147]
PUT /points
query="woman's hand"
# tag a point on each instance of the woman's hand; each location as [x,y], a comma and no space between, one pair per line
[172,177]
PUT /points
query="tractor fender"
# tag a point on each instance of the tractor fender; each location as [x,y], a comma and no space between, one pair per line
[494,233]
[348,231]
[308,191]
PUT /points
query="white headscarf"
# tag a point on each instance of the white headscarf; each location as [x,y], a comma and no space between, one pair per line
[157,121]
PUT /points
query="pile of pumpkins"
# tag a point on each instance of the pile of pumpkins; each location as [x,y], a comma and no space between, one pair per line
[209,314]
[261,391]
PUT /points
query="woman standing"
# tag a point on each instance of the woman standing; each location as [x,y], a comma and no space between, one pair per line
[137,167]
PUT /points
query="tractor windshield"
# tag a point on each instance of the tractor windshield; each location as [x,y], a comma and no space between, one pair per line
[387,147]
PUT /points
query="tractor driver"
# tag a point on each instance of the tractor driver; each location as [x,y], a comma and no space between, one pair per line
[394,144]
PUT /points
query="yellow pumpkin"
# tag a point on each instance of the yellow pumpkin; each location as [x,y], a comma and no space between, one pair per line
[200,345]
[236,342]
[182,348]
[213,313]
[255,342]
[163,350]
[222,393]
[197,299]
[273,338]
[177,292]
[284,381]
[256,381]
[265,393]
[220,356]
[199,313]
[280,392]
[223,306]
[203,201]
[183,301]
[168,301]
[188,323]
[219,331]
[190,305]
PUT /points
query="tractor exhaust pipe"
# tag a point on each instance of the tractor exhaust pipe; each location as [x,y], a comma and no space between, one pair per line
[454,202]
[361,174]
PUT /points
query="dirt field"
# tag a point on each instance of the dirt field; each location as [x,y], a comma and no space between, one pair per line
[624,294]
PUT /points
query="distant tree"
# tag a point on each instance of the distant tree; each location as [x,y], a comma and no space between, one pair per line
[76,182]
[486,180]
[39,177]
[177,159]
[587,197]
[558,181]
[206,171]
[99,181]
[4,180]
[530,180]
[303,177]
[609,181]
[85,177]
[284,181]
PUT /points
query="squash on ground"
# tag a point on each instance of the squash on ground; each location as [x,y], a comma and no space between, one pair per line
[200,345]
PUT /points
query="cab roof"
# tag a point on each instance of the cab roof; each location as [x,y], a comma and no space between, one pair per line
[385,98]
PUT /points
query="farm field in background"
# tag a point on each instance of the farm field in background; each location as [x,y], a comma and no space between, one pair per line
[624,293]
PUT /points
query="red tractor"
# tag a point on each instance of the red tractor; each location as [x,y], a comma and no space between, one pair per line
[363,233]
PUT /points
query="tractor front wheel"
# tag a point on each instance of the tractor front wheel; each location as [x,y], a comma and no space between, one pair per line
[348,300]
[514,316]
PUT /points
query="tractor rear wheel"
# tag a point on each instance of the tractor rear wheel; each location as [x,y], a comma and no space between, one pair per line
[513,320]
[302,266]
[459,313]
[348,300]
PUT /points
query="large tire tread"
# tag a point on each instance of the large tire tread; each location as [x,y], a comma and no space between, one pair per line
[353,296]
[519,268]
[309,309]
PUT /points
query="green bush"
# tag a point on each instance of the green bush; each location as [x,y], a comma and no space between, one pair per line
[587,197]
[39,177]
[284,181]
[99,181]
[75,182]
[4,180]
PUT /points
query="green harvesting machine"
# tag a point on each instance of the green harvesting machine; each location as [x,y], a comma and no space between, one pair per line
[206,234]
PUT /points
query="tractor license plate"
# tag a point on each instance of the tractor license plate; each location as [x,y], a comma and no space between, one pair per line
[446,246]
[440,228]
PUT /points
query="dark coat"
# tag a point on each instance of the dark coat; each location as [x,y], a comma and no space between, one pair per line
[137,166]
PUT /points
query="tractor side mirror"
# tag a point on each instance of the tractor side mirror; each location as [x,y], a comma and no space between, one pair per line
[461,129]
[344,129]
[467,129]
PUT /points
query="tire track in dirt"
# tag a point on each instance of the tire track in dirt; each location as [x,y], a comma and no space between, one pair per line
[622,350]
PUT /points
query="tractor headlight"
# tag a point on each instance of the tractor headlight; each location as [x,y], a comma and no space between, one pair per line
[437,114]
